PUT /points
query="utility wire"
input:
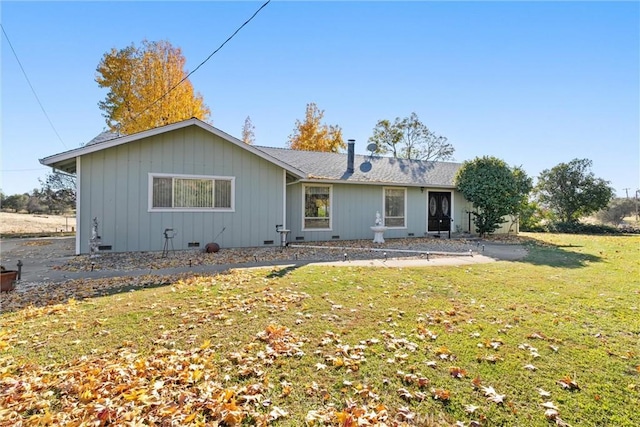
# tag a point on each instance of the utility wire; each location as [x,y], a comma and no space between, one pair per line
[22,170]
[203,62]
[31,86]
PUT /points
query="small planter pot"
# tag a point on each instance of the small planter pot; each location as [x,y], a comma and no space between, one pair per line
[8,280]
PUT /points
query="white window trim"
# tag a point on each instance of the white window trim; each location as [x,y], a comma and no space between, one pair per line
[152,175]
[330,187]
[384,207]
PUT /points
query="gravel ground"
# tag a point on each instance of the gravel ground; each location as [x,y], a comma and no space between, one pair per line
[316,251]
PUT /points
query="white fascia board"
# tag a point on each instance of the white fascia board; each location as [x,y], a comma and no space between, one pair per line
[88,149]
[379,183]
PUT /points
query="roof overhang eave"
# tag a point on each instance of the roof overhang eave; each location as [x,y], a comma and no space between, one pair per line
[67,165]
[387,183]
[68,157]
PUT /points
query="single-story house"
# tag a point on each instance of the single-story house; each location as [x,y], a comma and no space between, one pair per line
[205,185]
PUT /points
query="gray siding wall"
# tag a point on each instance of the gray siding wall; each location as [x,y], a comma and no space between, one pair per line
[354,212]
[461,209]
[115,189]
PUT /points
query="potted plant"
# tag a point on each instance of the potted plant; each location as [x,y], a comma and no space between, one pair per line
[9,278]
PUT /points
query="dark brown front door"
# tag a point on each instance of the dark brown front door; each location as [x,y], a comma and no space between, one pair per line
[439,207]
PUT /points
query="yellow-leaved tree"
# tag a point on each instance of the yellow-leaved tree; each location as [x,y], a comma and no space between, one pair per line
[312,135]
[248,131]
[145,88]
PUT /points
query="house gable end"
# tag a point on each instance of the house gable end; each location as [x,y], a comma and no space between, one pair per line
[66,161]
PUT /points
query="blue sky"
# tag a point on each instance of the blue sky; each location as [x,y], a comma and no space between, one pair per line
[533,83]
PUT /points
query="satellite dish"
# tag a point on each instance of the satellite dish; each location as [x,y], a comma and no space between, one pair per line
[372,147]
[365,167]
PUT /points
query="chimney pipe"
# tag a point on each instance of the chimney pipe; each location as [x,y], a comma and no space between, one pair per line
[351,147]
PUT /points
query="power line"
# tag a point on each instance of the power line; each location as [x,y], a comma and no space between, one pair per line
[31,86]
[22,170]
[203,62]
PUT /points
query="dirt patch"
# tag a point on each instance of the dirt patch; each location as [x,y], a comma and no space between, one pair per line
[14,223]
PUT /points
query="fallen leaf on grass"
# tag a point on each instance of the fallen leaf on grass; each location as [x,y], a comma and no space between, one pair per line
[444,353]
[470,409]
[423,332]
[423,382]
[457,372]
[568,383]
[404,414]
[543,392]
[493,343]
[476,382]
[441,394]
[420,396]
[492,395]
[405,394]
[277,413]
[491,358]
[537,336]
[554,415]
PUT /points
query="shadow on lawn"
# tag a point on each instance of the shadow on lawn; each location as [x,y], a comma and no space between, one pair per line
[281,272]
[558,256]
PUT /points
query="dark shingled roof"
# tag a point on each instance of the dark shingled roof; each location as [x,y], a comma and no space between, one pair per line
[386,170]
[367,169]
[103,137]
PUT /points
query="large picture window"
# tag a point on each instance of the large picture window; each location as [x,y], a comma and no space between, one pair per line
[190,193]
[317,207]
[395,207]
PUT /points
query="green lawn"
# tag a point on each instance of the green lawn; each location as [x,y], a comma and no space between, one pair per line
[552,339]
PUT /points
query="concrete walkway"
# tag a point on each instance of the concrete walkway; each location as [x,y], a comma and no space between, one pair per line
[40,257]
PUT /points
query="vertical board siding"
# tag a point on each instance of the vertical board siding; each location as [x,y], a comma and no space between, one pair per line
[354,212]
[416,212]
[133,215]
[115,189]
[461,208]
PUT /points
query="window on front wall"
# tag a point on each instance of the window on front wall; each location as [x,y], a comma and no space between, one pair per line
[317,207]
[394,207]
[185,192]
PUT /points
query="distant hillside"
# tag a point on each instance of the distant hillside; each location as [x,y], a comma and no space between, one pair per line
[12,223]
